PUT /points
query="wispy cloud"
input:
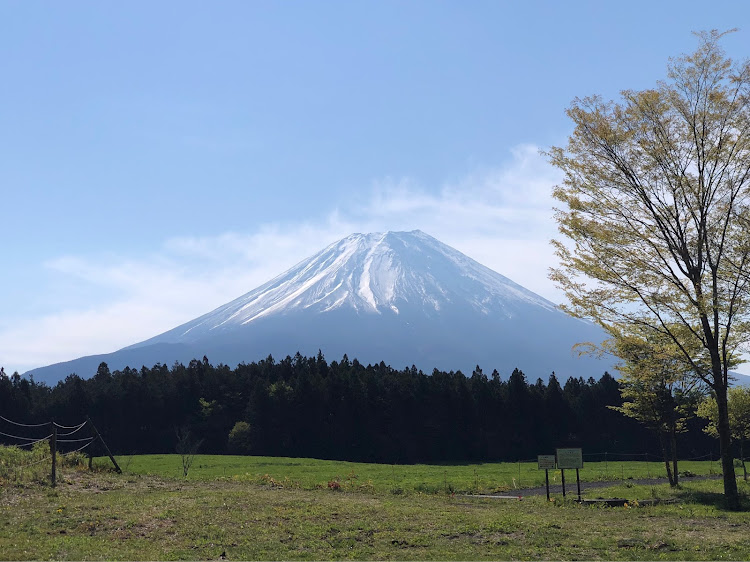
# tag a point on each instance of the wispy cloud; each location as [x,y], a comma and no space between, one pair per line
[501,217]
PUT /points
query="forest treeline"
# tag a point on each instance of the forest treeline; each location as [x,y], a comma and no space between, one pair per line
[308,407]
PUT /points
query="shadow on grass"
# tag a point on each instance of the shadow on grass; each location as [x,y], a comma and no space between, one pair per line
[714,499]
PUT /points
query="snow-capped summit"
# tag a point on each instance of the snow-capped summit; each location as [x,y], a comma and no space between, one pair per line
[399,297]
[377,273]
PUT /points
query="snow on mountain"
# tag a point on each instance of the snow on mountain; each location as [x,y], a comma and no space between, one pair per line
[399,297]
[378,273]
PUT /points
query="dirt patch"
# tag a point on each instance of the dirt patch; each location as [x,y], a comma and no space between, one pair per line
[98,482]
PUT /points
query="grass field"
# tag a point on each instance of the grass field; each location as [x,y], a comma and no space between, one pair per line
[293,514]
[419,478]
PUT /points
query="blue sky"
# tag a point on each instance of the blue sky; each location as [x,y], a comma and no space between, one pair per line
[162,158]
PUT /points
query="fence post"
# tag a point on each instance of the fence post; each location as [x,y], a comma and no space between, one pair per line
[53,447]
[96,432]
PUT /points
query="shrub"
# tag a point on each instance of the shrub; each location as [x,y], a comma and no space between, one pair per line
[240,438]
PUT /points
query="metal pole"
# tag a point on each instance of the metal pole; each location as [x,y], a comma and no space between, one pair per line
[562,472]
[546,478]
[578,480]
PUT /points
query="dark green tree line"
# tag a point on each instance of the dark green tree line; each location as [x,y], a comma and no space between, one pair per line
[307,407]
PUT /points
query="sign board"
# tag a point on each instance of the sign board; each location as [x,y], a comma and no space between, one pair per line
[546,462]
[569,458]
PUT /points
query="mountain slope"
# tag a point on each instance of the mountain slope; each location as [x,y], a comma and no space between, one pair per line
[395,273]
[401,297]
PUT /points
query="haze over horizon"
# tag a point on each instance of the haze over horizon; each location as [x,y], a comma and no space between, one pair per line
[163,159]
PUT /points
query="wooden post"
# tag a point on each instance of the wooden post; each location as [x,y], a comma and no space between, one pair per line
[578,479]
[546,479]
[114,462]
[562,472]
[53,447]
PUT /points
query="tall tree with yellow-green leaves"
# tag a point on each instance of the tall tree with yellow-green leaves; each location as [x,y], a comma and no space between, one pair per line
[655,216]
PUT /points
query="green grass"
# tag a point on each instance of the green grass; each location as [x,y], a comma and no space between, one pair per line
[419,478]
[291,514]
[94,516]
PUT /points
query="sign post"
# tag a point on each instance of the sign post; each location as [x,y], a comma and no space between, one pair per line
[546,462]
[570,458]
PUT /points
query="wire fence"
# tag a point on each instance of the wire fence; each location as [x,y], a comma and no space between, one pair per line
[26,441]
[79,449]
[17,462]
[27,456]
[75,429]
[43,459]
[24,424]
[30,441]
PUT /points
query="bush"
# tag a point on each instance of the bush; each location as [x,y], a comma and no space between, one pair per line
[240,439]
[75,459]
[21,465]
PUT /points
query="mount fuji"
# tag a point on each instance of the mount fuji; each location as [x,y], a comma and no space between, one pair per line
[399,297]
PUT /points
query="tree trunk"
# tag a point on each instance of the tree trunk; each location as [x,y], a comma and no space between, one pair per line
[725,448]
[742,456]
[673,443]
[665,456]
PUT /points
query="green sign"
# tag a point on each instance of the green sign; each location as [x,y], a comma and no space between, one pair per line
[546,462]
[569,458]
